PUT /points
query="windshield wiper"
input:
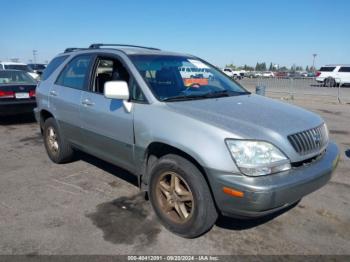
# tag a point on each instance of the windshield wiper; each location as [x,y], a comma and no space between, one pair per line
[181,98]
[217,94]
[223,93]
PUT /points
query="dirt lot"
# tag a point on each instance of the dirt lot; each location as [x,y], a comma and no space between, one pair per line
[91,207]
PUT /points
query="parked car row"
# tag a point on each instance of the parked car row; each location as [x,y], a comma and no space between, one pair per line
[266,74]
[328,76]
[34,70]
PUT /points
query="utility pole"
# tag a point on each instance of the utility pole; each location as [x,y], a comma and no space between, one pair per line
[313,62]
[35,52]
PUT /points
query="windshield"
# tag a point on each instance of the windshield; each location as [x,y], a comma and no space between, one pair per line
[168,82]
[18,67]
[16,77]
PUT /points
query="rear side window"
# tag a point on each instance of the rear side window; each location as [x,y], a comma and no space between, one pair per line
[56,62]
[75,72]
[345,69]
[327,69]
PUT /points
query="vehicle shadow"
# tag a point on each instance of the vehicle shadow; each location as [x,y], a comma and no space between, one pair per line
[17,119]
[110,168]
[243,224]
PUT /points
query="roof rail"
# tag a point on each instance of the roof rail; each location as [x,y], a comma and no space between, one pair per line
[72,49]
[95,46]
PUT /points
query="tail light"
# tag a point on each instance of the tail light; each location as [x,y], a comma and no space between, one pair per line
[7,94]
[32,93]
[318,73]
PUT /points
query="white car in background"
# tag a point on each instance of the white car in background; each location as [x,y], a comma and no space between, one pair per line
[232,73]
[268,74]
[19,66]
[332,75]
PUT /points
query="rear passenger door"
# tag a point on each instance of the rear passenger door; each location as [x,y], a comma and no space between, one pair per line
[65,96]
[344,74]
[107,126]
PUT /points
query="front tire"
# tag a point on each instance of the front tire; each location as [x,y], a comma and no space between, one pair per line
[57,148]
[180,197]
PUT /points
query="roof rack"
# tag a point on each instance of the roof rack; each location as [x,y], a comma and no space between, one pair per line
[72,49]
[95,46]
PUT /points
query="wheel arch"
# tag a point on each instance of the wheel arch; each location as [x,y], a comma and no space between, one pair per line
[156,150]
[44,114]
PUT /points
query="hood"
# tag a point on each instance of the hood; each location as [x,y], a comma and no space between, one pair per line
[249,116]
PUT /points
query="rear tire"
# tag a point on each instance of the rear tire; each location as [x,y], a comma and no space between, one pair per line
[180,197]
[57,148]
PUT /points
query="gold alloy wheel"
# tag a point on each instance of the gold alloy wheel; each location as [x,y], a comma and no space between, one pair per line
[52,142]
[175,197]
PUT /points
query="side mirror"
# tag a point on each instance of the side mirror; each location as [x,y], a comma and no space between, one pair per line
[116,90]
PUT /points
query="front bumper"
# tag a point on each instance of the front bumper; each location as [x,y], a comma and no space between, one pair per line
[17,107]
[37,115]
[267,194]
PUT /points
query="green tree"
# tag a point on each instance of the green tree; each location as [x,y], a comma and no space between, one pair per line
[257,67]
[283,68]
[231,66]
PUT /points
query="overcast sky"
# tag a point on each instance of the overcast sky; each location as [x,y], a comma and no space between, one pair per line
[222,32]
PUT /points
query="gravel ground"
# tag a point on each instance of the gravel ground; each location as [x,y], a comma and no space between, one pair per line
[91,207]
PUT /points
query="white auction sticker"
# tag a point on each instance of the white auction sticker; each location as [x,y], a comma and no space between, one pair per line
[197,63]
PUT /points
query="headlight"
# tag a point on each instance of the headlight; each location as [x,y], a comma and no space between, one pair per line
[257,158]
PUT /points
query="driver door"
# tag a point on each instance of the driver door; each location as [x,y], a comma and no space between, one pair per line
[107,126]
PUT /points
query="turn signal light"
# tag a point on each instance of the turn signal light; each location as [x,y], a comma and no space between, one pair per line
[232,192]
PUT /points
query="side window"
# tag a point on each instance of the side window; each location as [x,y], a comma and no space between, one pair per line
[327,69]
[109,69]
[52,66]
[1,67]
[75,72]
[345,69]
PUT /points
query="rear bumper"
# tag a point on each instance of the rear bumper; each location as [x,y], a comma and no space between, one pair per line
[16,107]
[267,194]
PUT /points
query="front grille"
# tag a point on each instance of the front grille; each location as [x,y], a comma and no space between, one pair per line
[310,141]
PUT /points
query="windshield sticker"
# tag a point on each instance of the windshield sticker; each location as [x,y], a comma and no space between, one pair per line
[197,63]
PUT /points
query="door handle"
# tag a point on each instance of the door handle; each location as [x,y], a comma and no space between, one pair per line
[53,93]
[87,102]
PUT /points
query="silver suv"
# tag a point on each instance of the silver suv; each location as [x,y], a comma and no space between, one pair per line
[200,147]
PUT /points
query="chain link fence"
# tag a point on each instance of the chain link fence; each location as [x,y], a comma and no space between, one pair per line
[298,88]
